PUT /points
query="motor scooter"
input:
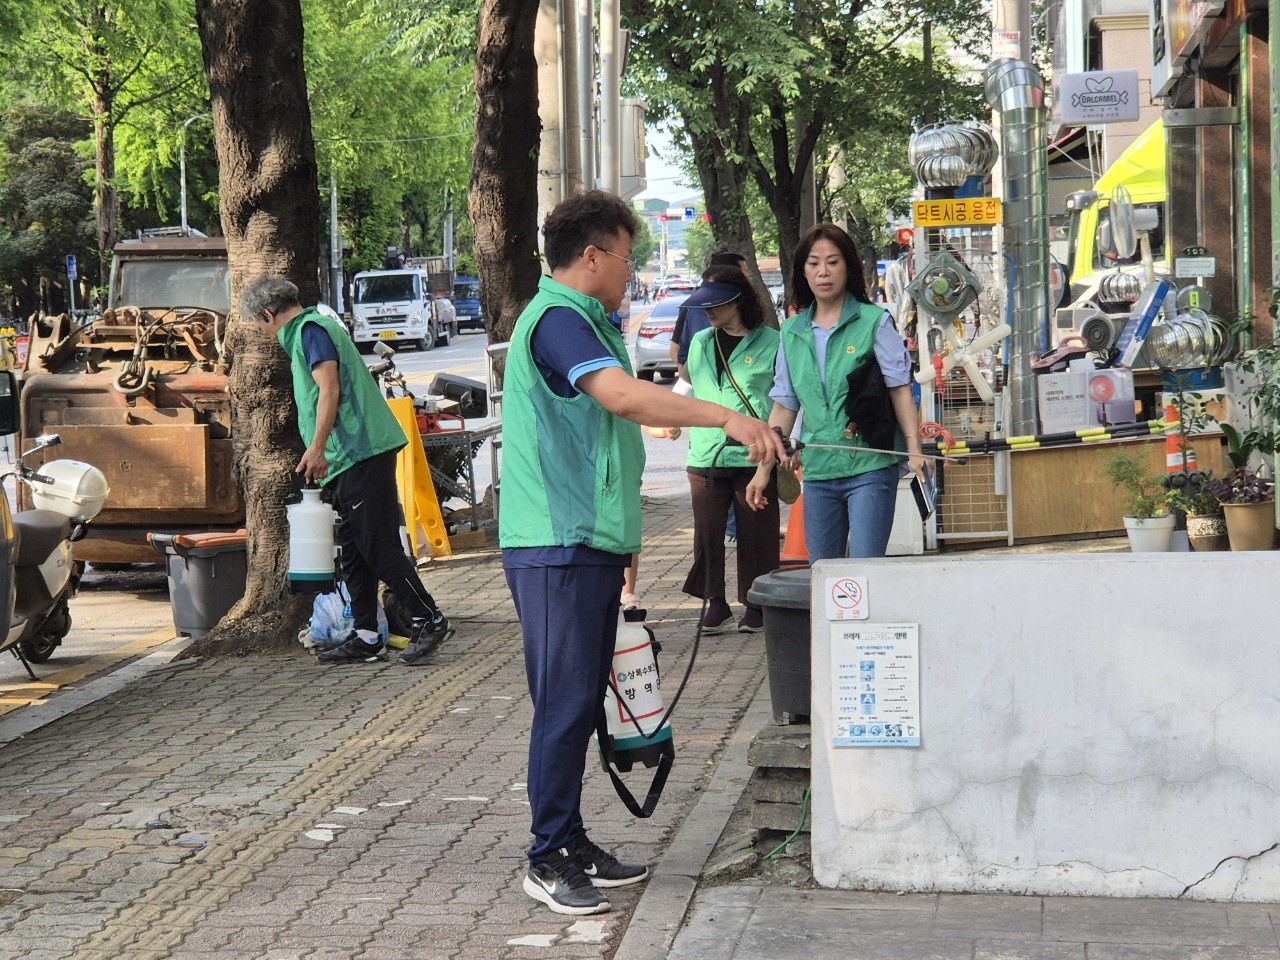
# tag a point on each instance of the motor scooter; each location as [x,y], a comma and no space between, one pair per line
[42,576]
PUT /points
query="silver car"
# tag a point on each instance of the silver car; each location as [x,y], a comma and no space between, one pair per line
[653,339]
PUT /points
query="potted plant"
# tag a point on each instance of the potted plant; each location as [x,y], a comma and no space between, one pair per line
[1248,500]
[1206,527]
[1149,527]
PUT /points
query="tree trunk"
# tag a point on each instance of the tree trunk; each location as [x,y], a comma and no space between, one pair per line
[106,199]
[722,185]
[503,196]
[271,218]
[783,184]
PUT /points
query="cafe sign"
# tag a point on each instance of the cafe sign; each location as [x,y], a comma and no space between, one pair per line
[1099,96]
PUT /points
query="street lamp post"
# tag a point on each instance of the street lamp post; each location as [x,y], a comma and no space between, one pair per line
[182,165]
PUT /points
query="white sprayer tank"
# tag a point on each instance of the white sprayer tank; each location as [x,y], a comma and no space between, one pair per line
[311,549]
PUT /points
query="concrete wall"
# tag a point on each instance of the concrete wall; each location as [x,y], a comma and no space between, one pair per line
[1099,724]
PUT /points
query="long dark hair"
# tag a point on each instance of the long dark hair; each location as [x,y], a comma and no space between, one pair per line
[748,303]
[854,284]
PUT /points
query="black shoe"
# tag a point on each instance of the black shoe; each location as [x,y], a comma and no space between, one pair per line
[562,886]
[603,869]
[354,650]
[426,637]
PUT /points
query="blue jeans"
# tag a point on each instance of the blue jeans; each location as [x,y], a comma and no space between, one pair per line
[851,516]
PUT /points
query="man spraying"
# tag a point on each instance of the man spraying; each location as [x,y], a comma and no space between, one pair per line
[570,520]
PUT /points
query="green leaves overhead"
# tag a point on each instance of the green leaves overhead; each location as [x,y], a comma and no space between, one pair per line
[389,90]
[768,86]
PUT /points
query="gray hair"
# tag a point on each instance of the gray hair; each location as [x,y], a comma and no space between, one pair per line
[267,293]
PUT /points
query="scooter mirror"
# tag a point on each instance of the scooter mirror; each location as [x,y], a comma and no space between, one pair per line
[50,440]
[382,350]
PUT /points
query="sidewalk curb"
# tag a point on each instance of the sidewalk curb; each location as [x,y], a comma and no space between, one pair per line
[661,911]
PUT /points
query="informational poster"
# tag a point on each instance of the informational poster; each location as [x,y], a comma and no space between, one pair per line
[875,669]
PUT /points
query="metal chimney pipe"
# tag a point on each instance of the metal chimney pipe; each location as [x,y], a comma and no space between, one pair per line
[1015,90]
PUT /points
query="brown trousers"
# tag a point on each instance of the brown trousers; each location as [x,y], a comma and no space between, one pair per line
[757,532]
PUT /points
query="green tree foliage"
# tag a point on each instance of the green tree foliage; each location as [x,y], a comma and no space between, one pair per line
[392,124]
[389,91]
[108,59]
[699,243]
[763,89]
[46,205]
[644,243]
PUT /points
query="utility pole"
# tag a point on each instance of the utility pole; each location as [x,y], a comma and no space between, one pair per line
[548,51]
[335,248]
[448,226]
[587,90]
[1011,30]
[182,165]
[611,95]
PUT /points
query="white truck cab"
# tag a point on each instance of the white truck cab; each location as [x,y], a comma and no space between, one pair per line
[397,305]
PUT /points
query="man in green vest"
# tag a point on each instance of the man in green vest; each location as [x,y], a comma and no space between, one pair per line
[570,519]
[352,438]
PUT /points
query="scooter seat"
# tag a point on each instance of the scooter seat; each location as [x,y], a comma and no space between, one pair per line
[39,532]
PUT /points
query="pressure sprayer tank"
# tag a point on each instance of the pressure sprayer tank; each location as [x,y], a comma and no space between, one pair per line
[633,699]
[311,549]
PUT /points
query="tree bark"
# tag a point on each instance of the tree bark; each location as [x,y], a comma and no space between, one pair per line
[271,218]
[106,199]
[503,196]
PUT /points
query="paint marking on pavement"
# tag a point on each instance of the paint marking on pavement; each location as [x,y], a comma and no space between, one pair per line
[534,940]
[34,691]
[174,907]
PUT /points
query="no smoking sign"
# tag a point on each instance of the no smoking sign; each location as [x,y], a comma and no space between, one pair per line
[847,598]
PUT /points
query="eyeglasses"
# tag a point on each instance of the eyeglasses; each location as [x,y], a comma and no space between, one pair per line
[631,264]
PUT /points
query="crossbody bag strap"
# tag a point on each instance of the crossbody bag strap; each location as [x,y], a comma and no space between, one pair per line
[732,382]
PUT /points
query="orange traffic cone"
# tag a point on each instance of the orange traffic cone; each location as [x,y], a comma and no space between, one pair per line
[794,551]
[1174,444]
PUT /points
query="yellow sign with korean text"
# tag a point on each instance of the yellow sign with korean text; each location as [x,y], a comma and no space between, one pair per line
[969,212]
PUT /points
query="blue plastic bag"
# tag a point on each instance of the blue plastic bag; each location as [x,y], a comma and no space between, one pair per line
[331,620]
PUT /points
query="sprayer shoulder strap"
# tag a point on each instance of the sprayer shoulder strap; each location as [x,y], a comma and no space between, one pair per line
[645,810]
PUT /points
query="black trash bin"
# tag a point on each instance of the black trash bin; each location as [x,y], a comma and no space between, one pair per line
[784,597]
[206,577]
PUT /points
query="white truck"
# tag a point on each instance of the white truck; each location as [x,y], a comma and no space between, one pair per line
[398,305]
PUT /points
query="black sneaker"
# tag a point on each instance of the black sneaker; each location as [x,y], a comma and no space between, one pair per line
[562,886]
[354,650]
[603,869]
[426,637]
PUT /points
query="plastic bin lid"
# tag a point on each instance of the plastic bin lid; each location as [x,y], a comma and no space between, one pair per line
[207,543]
[782,588]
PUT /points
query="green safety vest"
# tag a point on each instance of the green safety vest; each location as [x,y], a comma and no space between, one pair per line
[571,470]
[751,364]
[851,344]
[365,425]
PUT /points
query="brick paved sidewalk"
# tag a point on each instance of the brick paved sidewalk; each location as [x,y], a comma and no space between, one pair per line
[274,808]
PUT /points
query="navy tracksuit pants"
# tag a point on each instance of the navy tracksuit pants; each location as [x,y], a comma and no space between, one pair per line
[569,619]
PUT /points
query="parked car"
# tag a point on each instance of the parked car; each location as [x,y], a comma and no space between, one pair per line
[653,339]
[676,288]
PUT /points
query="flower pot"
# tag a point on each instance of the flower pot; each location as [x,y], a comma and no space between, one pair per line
[1207,533]
[1251,526]
[1149,534]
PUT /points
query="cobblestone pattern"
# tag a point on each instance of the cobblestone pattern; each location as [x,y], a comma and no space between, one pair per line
[355,812]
